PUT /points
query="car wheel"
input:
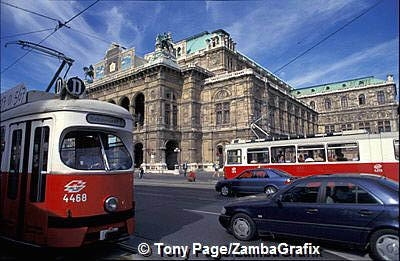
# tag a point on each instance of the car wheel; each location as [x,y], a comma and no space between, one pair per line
[225,191]
[243,227]
[270,190]
[385,244]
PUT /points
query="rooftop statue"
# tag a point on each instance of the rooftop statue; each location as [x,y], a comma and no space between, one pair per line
[164,42]
[89,73]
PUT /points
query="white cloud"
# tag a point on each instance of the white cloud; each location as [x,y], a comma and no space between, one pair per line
[114,20]
[274,26]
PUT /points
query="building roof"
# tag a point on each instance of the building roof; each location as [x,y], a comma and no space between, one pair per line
[337,86]
[198,42]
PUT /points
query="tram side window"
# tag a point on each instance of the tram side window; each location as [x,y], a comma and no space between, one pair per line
[2,142]
[234,157]
[311,153]
[343,152]
[259,155]
[39,163]
[15,159]
[283,154]
[396,149]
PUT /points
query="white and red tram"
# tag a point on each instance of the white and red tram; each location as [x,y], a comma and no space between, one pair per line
[66,171]
[343,152]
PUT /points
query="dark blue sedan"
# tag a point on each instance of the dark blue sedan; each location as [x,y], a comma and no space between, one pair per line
[254,181]
[356,209]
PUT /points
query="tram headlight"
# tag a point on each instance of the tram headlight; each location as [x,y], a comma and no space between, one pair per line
[111,204]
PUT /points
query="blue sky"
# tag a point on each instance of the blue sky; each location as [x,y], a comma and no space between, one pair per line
[271,33]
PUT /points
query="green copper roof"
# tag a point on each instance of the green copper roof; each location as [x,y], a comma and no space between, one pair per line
[198,43]
[337,86]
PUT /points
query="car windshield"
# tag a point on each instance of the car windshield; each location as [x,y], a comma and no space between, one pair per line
[94,150]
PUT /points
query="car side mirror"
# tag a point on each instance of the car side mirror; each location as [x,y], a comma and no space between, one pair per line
[278,200]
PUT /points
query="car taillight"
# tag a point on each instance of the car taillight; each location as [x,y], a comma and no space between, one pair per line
[288,181]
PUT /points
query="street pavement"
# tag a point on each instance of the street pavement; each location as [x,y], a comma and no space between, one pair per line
[204,179]
[207,180]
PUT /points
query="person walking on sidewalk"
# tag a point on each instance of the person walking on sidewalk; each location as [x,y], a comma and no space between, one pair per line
[216,172]
[141,172]
[185,167]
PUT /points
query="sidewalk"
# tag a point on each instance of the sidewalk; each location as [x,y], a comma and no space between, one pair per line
[203,179]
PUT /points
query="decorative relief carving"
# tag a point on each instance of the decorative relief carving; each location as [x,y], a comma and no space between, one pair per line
[222,94]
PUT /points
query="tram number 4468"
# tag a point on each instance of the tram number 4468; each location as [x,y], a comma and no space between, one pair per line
[75,198]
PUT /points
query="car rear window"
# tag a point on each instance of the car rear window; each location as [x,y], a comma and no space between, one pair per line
[281,173]
[391,184]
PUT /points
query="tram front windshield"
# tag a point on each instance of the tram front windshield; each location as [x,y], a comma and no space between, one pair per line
[94,150]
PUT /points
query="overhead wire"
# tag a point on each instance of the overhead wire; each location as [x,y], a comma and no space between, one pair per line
[78,14]
[91,35]
[59,25]
[33,32]
[29,11]
[328,36]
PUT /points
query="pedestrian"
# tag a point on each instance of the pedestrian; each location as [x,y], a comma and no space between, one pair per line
[216,172]
[192,176]
[185,167]
[141,172]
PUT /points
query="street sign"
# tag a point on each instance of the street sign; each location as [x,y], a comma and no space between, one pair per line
[13,97]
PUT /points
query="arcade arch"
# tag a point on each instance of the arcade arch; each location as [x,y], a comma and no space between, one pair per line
[139,109]
[172,154]
[138,152]
[124,102]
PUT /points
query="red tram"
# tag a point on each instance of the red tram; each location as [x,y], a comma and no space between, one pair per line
[344,152]
[66,170]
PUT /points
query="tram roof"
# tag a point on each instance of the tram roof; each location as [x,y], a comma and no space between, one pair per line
[54,104]
[312,140]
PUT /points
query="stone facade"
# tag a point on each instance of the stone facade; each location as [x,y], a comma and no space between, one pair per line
[192,97]
[363,103]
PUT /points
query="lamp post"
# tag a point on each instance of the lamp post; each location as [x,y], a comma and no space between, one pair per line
[178,150]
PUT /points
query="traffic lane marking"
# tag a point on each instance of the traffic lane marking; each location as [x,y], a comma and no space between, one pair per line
[201,211]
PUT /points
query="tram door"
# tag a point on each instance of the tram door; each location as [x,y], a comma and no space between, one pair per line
[14,182]
[36,222]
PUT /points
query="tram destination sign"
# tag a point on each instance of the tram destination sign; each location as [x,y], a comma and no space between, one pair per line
[13,97]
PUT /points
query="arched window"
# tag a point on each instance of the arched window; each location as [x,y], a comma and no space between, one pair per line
[328,104]
[312,104]
[344,102]
[361,99]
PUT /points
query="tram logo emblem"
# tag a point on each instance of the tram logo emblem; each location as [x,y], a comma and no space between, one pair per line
[75,186]
[378,168]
